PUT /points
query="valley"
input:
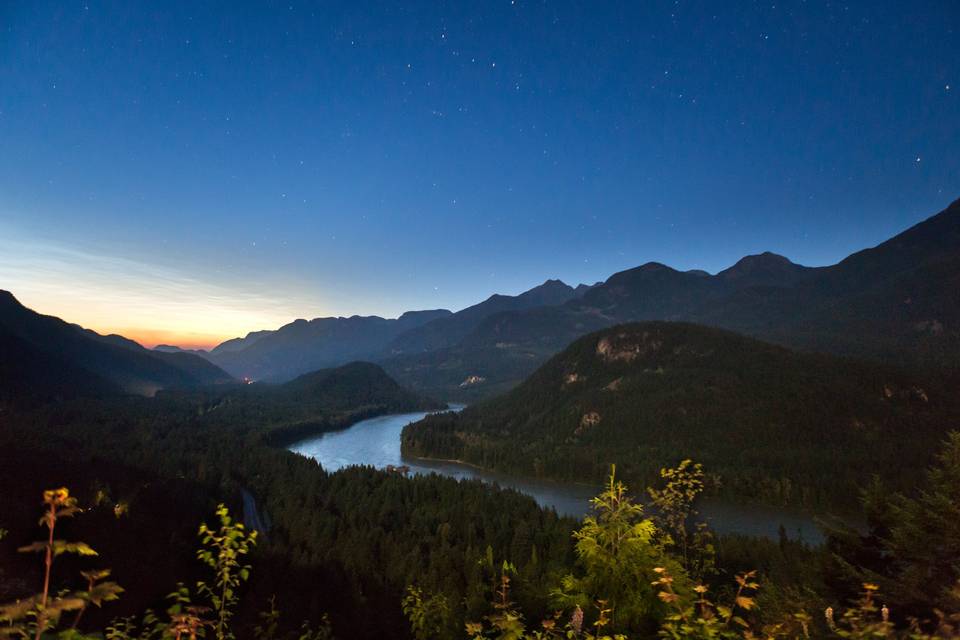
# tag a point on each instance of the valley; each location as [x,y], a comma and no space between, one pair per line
[502,320]
[376,442]
[787,414]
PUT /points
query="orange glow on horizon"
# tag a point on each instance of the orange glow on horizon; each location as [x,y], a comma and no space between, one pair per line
[150,338]
[150,303]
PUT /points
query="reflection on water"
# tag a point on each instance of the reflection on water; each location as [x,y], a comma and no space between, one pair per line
[376,442]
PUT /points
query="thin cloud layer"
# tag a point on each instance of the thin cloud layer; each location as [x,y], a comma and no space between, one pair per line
[150,303]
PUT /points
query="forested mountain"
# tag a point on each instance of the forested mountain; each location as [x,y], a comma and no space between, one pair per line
[357,384]
[307,345]
[896,302]
[774,424]
[82,360]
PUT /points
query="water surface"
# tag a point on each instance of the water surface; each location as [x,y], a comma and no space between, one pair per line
[376,442]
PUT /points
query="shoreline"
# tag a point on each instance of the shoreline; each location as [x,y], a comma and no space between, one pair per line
[490,471]
[717,498]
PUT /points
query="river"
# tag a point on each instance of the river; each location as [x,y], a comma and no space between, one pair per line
[376,442]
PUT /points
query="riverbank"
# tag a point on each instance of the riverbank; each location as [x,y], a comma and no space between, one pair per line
[376,442]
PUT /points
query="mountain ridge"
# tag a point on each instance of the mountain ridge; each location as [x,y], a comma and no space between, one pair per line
[307,345]
[894,302]
[118,360]
[448,331]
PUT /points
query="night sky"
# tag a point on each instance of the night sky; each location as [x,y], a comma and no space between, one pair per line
[185,172]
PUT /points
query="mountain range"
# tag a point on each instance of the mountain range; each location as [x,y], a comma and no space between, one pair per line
[305,345]
[896,302]
[45,357]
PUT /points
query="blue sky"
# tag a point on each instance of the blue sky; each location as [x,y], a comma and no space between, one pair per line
[191,171]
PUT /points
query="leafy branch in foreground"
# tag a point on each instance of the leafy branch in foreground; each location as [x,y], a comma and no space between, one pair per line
[703,618]
[269,626]
[673,506]
[507,622]
[427,615]
[38,617]
[618,550]
[222,551]
[40,613]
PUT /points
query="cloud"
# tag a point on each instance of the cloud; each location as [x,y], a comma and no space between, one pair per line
[151,302]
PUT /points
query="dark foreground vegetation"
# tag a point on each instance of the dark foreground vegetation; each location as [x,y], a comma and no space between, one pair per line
[630,575]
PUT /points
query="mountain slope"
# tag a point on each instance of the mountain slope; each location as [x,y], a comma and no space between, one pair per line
[773,423]
[30,374]
[189,362]
[897,302]
[122,362]
[238,344]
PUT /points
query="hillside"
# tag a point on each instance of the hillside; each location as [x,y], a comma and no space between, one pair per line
[62,351]
[28,374]
[312,403]
[357,384]
[773,424]
[896,302]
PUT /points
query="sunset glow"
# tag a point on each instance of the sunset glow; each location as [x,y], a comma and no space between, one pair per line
[144,302]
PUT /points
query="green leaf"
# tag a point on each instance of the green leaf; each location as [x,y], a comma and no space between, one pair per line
[79,548]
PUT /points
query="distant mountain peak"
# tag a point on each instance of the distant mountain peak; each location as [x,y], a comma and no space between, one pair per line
[654,266]
[551,285]
[583,288]
[761,259]
[425,312]
[656,270]
[765,268]
[551,292]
